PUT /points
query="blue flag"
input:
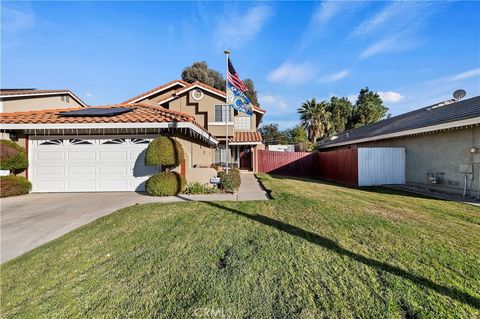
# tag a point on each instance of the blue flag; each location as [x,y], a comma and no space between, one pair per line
[238,100]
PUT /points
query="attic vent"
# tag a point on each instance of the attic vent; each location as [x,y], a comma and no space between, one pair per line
[197,95]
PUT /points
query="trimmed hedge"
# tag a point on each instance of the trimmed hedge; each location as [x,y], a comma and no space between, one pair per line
[231,181]
[165,184]
[164,151]
[12,185]
[12,156]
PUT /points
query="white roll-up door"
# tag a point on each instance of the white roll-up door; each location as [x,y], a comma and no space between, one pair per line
[86,164]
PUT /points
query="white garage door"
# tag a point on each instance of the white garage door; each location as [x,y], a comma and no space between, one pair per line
[86,164]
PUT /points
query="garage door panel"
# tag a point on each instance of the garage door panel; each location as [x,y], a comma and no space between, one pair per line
[49,185]
[81,185]
[51,170]
[120,155]
[82,155]
[57,155]
[82,170]
[113,169]
[113,184]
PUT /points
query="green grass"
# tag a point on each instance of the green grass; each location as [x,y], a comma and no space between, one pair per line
[316,250]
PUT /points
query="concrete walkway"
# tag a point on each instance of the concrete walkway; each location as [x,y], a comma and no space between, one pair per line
[250,188]
[31,220]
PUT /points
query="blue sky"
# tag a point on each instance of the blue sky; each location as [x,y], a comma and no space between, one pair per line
[412,53]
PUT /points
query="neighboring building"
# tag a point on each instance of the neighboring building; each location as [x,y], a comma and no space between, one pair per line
[23,100]
[441,141]
[281,148]
[103,148]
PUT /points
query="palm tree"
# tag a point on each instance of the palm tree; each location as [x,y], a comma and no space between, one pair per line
[315,118]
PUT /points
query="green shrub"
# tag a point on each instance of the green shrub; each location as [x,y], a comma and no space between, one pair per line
[12,156]
[164,151]
[231,181]
[12,185]
[197,188]
[165,184]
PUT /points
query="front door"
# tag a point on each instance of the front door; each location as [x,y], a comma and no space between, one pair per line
[245,157]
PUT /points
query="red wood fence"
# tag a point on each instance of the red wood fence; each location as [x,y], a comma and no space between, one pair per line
[285,163]
[340,165]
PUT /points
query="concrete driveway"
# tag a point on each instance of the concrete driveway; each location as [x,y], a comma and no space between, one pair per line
[31,220]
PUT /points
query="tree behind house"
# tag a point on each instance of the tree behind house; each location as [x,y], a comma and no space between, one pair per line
[199,71]
[315,118]
[272,135]
[341,110]
[368,109]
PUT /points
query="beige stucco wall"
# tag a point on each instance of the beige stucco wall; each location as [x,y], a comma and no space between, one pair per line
[35,103]
[441,152]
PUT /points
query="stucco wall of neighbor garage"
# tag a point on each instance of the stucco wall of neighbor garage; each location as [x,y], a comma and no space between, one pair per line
[441,152]
[35,103]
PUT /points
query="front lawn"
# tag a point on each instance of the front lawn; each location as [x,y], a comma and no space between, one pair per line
[316,250]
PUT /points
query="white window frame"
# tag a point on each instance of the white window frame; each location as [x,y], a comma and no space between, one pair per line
[225,110]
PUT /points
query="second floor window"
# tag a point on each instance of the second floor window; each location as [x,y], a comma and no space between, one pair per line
[221,113]
[242,123]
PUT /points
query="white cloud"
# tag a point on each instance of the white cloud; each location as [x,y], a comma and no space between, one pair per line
[378,47]
[395,16]
[352,98]
[390,96]
[325,12]
[273,104]
[465,75]
[15,20]
[396,27]
[335,76]
[235,30]
[292,73]
[88,94]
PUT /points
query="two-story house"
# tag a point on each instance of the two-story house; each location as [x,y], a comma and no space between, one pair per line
[207,105]
[103,148]
[22,100]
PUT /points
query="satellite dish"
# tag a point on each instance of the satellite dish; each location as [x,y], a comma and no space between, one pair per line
[459,94]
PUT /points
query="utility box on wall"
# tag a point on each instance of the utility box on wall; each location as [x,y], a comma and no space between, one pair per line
[381,165]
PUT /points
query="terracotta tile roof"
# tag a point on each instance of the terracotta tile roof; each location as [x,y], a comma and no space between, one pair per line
[158,88]
[20,92]
[245,137]
[142,113]
[186,87]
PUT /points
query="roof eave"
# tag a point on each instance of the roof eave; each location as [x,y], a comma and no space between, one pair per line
[426,129]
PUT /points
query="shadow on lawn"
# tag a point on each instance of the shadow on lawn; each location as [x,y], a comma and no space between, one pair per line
[331,245]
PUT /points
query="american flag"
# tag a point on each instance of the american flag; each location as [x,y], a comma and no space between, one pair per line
[234,78]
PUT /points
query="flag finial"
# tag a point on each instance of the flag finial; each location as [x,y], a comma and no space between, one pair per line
[227,52]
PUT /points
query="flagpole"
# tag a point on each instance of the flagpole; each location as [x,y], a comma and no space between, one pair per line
[227,53]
